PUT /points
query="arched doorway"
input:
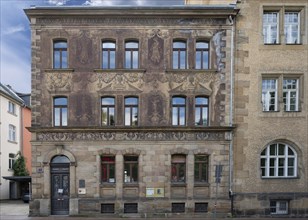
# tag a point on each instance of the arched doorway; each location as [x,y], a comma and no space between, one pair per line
[59,185]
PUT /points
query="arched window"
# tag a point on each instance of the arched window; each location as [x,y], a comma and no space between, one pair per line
[131,111]
[178,110]
[108,111]
[60,159]
[179,55]
[202,55]
[278,160]
[201,111]
[108,55]
[60,54]
[131,55]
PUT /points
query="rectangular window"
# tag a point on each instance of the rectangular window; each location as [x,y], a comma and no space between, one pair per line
[202,55]
[60,54]
[12,108]
[178,207]
[201,168]
[108,111]
[108,169]
[201,207]
[11,160]
[201,111]
[131,111]
[108,55]
[292,27]
[290,94]
[131,55]
[179,55]
[269,94]
[60,111]
[270,27]
[178,168]
[178,111]
[130,169]
[12,133]
[130,207]
[279,207]
[107,208]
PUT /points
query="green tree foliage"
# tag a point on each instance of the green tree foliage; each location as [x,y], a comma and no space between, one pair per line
[19,166]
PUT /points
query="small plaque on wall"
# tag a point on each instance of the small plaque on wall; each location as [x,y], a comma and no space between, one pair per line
[81,191]
[40,170]
[155,192]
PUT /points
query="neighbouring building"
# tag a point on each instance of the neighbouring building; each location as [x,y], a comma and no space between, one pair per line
[12,141]
[271,109]
[132,110]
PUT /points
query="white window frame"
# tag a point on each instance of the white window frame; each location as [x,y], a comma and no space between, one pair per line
[281,209]
[12,133]
[11,160]
[267,28]
[266,96]
[287,100]
[288,26]
[276,158]
[12,108]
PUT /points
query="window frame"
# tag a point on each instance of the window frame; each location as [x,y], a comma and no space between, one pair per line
[11,160]
[285,158]
[202,107]
[290,25]
[108,107]
[61,51]
[178,50]
[131,50]
[61,107]
[131,108]
[177,162]
[202,51]
[178,108]
[12,133]
[108,165]
[130,164]
[267,38]
[276,204]
[12,108]
[266,104]
[109,50]
[199,163]
[286,101]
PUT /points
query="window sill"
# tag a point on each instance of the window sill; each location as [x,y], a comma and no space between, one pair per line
[12,113]
[131,184]
[174,184]
[191,70]
[119,70]
[279,177]
[59,70]
[108,185]
[12,142]
[201,184]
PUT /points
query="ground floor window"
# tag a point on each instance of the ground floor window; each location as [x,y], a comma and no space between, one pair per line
[131,208]
[107,208]
[178,207]
[201,207]
[279,207]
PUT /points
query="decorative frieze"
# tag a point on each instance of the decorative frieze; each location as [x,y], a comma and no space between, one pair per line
[133,136]
[59,81]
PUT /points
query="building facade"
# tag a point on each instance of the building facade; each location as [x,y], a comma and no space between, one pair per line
[271,96]
[11,140]
[131,110]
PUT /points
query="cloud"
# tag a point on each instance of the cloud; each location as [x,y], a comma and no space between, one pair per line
[14,29]
[57,2]
[101,2]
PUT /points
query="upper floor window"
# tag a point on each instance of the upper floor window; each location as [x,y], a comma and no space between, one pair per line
[178,111]
[278,160]
[292,27]
[131,111]
[290,94]
[11,160]
[60,111]
[178,168]
[131,55]
[60,54]
[12,108]
[108,111]
[201,168]
[12,133]
[179,55]
[201,111]
[269,94]
[202,55]
[130,169]
[270,27]
[108,169]
[108,55]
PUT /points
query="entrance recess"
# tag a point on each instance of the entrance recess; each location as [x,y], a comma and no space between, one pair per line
[60,182]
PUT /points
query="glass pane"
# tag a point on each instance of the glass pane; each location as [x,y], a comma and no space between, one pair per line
[108,101]
[178,101]
[272,172]
[204,116]
[198,117]
[64,116]
[179,45]
[104,173]
[111,116]
[201,101]
[128,59]
[197,169]
[205,60]
[181,172]
[290,151]
[273,149]
[112,59]
[182,116]
[262,162]
[134,172]
[280,172]
[60,159]
[109,45]
[64,59]
[135,116]
[202,45]
[131,101]
[56,59]
[127,116]
[105,60]
[263,171]
[111,173]
[60,44]
[281,149]
[281,162]
[131,45]
[175,60]
[57,117]
[290,171]
[104,116]
[263,152]
[198,59]
[60,101]
[135,59]
[290,162]
[182,59]
[174,116]
[204,172]
[272,162]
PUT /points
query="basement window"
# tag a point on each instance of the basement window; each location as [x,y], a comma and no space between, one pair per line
[107,208]
[279,207]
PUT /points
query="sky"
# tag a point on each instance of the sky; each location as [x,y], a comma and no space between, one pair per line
[15,38]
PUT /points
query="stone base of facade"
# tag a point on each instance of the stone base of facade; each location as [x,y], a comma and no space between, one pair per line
[271,204]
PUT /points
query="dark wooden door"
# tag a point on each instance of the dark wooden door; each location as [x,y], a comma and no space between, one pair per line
[60,189]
